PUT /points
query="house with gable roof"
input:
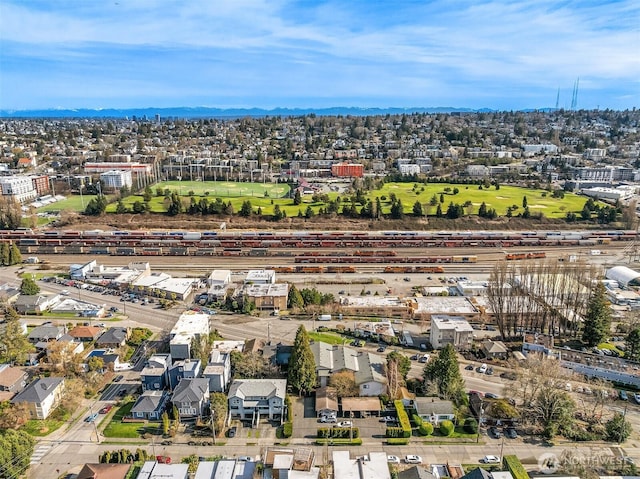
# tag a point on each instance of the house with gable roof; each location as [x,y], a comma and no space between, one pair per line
[41,396]
[257,398]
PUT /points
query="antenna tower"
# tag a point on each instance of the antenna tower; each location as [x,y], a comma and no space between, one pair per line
[574,96]
[558,99]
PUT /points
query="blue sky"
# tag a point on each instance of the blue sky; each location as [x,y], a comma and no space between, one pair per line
[500,54]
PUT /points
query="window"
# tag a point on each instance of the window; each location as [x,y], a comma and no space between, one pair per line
[365,386]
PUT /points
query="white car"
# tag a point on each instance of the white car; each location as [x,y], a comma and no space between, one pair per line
[413,459]
[345,424]
[329,419]
[490,460]
[482,369]
[393,459]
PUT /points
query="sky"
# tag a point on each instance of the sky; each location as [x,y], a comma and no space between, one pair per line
[497,54]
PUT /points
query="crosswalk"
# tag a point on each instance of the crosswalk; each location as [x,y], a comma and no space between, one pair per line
[39,453]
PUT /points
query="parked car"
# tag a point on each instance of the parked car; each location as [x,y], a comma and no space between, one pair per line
[328,419]
[469,367]
[163,459]
[345,424]
[245,458]
[387,419]
[415,357]
[636,398]
[393,459]
[118,378]
[490,460]
[489,372]
[491,396]
[382,348]
[495,432]
[511,433]
[482,369]
[413,459]
[232,431]
[106,409]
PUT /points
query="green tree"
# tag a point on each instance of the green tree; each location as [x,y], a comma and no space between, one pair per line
[95,363]
[417,209]
[146,196]
[309,213]
[441,198]
[4,254]
[120,207]
[29,286]
[16,448]
[618,428]
[96,206]
[165,423]
[302,365]
[443,373]
[524,202]
[295,299]
[404,363]
[597,320]
[632,344]
[14,254]
[246,209]
[297,197]
[175,205]
[14,346]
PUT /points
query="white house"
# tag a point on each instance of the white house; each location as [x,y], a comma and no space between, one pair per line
[41,396]
[218,371]
[257,398]
[260,276]
[190,325]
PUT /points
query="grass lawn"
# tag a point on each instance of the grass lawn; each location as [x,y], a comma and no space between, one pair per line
[117,428]
[40,428]
[73,203]
[327,337]
[225,189]
[611,347]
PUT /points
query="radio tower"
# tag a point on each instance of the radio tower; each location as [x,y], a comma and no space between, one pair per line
[574,97]
[558,99]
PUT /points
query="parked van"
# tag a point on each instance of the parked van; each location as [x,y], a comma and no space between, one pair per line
[324,317]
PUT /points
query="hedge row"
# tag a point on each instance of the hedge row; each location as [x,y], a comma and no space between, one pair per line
[403,418]
[397,441]
[287,403]
[339,442]
[396,432]
[513,464]
[338,432]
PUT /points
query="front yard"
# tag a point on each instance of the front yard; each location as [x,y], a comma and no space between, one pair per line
[117,428]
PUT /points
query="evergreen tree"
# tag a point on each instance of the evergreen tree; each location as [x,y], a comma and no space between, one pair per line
[524,202]
[632,344]
[302,365]
[29,286]
[396,210]
[120,207]
[443,372]
[14,254]
[16,345]
[597,321]
[294,299]
[4,254]
[246,209]
[297,197]
[417,209]
[482,211]
[439,212]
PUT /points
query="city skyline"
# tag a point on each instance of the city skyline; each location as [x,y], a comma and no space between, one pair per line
[277,54]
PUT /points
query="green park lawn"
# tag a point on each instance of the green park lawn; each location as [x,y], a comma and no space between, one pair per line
[327,337]
[538,200]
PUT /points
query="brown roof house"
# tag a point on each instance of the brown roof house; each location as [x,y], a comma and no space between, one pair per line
[12,381]
[85,333]
[494,349]
[104,471]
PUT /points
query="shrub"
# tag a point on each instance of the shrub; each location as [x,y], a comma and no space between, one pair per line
[403,418]
[446,428]
[425,429]
[397,441]
[471,425]
[287,403]
[417,420]
[395,432]
[513,464]
[323,432]
[340,442]
[287,429]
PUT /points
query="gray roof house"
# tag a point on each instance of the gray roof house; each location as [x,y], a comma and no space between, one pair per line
[191,397]
[155,374]
[41,396]
[36,303]
[416,472]
[183,369]
[218,371]
[368,368]
[433,410]
[46,332]
[113,338]
[150,405]
[257,398]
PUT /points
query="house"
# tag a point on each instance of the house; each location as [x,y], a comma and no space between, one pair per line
[218,282]
[113,338]
[155,374]
[63,349]
[257,398]
[218,371]
[46,332]
[288,462]
[368,368]
[85,333]
[157,470]
[12,381]
[372,466]
[374,330]
[41,396]
[191,397]
[104,471]
[416,472]
[433,410]
[494,349]
[454,330]
[188,368]
[35,303]
[150,405]
[478,473]
[9,294]
[326,401]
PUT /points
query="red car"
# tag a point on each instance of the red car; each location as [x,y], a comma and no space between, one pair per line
[106,409]
[163,459]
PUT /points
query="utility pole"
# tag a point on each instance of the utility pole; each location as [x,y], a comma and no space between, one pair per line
[213,427]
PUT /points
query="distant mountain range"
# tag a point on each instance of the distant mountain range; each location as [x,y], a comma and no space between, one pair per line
[206,112]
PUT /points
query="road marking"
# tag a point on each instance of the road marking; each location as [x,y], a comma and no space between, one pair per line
[39,453]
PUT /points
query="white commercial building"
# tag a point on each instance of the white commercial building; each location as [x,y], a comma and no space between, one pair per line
[190,325]
[116,179]
[261,276]
[20,188]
